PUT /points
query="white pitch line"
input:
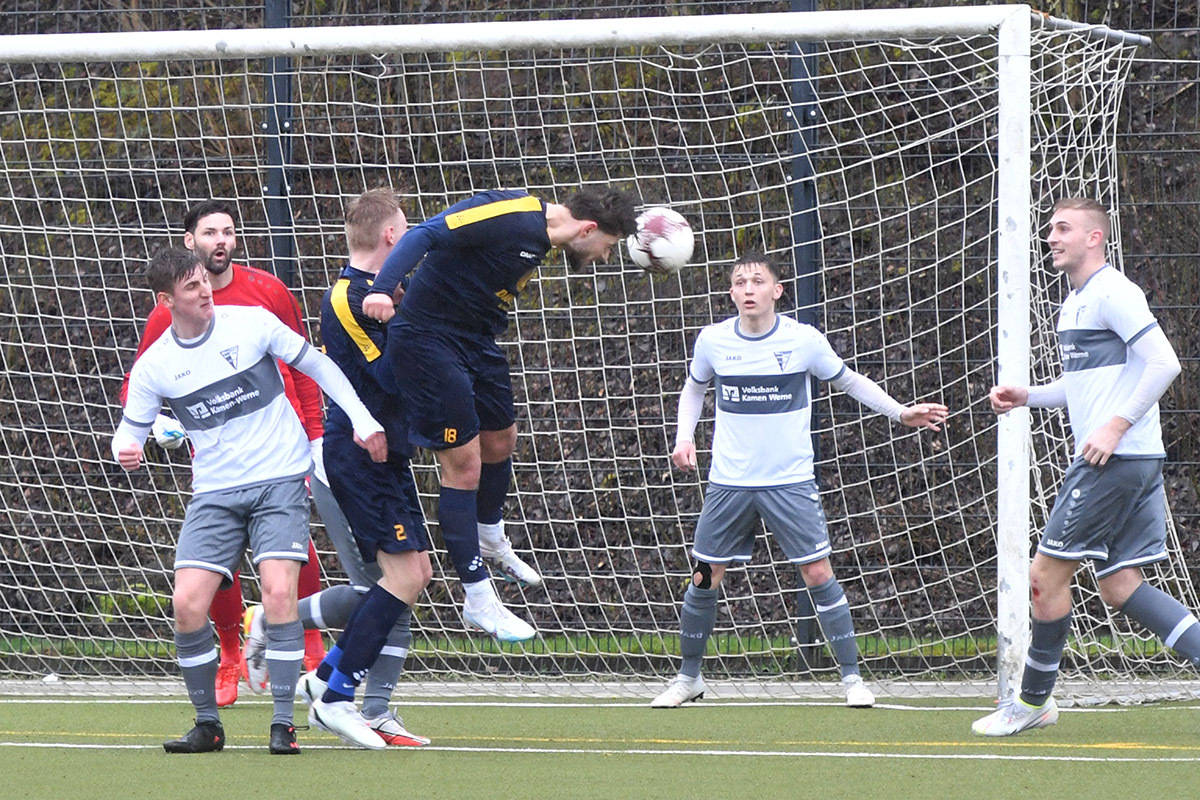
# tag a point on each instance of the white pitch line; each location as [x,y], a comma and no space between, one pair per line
[607,751]
[542,704]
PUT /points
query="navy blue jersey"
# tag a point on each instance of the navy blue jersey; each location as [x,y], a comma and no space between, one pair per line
[356,342]
[477,255]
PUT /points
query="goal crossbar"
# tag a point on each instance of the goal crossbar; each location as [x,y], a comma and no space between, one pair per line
[923,23]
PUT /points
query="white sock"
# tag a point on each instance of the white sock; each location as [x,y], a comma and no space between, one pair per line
[492,536]
[480,591]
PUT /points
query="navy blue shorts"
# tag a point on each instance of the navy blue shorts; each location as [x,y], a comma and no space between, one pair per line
[379,500]
[453,385]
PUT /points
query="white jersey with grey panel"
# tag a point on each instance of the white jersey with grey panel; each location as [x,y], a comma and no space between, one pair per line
[226,390]
[1097,326]
[764,411]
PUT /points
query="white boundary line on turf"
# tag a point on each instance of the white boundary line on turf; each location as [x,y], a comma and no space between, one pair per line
[402,702]
[1070,692]
[609,751]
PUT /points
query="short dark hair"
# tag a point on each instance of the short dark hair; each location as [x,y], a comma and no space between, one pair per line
[169,266]
[611,209]
[203,209]
[757,257]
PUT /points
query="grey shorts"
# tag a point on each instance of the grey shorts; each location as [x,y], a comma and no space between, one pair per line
[729,521]
[1114,515]
[271,518]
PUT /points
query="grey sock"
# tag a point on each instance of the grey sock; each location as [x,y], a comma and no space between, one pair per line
[1046,643]
[696,622]
[388,667]
[198,659]
[833,611]
[329,608]
[1167,618]
[285,655]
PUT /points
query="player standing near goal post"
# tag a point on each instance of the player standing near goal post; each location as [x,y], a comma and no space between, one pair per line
[210,232]
[452,375]
[762,464]
[1117,363]
[217,370]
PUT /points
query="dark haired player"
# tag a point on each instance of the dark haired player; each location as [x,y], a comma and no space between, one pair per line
[217,370]
[454,379]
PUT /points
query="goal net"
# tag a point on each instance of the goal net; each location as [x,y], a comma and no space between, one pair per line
[894,135]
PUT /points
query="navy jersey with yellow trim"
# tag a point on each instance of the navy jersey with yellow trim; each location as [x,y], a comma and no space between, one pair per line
[355,342]
[478,254]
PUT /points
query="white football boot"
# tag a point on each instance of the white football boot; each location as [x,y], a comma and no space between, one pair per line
[343,720]
[310,688]
[1015,715]
[486,613]
[495,546]
[682,689]
[857,694]
[391,729]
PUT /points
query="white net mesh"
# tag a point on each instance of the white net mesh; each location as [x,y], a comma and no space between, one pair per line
[99,162]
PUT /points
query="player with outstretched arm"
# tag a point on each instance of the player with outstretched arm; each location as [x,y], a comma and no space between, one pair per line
[1117,363]
[209,231]
[762,465]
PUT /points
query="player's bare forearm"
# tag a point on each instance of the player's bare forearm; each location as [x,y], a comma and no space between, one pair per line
[684,456]
[1103,442]
[1006,398]
[924,415]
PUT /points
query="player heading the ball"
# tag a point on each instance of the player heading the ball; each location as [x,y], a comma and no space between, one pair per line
[452,376]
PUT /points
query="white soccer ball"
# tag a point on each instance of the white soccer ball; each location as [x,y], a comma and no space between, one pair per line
[663,242]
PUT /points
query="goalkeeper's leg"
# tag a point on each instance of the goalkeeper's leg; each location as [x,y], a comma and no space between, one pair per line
[310,584]
[226,612]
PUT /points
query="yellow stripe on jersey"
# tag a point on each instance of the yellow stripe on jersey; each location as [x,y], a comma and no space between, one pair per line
[479,213]
[341,307]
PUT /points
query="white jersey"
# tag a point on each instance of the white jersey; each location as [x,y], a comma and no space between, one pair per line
[1096,326]
[226,391]
[764,412]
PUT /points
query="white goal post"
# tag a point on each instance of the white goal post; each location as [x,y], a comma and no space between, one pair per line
[931,141]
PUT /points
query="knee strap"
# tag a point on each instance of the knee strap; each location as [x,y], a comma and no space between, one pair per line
[702,578]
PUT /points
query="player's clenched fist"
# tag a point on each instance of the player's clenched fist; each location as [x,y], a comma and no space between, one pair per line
[130,456]
[379,307]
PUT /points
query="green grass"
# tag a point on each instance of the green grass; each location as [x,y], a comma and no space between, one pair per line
[618,749]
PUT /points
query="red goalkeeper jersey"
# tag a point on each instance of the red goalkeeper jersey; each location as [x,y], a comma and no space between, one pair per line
[255,287]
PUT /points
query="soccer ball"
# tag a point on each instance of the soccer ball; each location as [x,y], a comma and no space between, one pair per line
[663,242]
